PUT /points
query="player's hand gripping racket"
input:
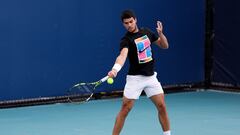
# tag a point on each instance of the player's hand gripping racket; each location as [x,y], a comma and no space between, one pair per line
[83,92]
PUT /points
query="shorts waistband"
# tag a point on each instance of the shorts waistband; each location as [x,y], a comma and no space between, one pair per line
[141,76]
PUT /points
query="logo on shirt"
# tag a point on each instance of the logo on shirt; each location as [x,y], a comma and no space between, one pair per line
[143,49]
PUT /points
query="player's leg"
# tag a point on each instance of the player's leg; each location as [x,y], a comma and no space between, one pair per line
[155,92]
[132,91]
[159,102]
[125,109]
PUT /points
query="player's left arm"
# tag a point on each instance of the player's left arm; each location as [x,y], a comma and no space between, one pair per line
[162,40]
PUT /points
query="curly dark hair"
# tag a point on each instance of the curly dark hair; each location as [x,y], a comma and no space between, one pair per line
[127,14]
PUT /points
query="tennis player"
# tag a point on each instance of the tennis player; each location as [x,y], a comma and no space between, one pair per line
[136,46]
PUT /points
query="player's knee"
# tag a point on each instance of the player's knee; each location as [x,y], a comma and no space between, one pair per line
[161,107]
[126,108]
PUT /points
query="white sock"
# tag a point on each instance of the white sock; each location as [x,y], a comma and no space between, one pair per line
[167,132]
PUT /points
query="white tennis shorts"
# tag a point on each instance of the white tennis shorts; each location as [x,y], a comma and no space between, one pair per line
[135,84]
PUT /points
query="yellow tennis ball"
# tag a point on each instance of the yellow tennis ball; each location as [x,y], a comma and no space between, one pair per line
[110,81]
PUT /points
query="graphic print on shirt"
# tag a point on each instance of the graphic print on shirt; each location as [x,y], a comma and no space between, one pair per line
[143,49]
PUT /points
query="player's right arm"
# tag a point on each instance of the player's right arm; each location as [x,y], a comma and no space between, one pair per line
[120,60]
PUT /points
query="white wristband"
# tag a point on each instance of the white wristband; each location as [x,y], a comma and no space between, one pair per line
[117,67]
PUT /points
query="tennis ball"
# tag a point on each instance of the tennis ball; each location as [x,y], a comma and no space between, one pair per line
[110,81]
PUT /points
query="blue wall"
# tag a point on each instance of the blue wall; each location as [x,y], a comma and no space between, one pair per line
[226,43]
[48,45]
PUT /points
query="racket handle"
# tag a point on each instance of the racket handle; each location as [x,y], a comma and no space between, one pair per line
[104,78]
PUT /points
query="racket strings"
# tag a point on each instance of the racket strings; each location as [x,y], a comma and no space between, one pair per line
[81,92]
[88,88]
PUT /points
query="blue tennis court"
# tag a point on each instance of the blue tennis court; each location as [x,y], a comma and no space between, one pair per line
[198,113]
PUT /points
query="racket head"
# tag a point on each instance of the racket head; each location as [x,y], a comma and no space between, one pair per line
[81,92]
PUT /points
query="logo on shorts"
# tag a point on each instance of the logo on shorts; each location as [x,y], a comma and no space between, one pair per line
[143,49]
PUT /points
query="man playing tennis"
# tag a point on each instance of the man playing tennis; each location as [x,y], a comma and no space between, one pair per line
[136,45]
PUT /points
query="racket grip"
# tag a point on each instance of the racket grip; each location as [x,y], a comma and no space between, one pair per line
[104,78]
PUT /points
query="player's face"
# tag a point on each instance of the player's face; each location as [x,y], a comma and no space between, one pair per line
[130,24]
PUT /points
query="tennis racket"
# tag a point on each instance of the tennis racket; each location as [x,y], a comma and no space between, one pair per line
[83,92]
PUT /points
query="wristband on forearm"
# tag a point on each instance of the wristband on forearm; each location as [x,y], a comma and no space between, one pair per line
[117,67]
